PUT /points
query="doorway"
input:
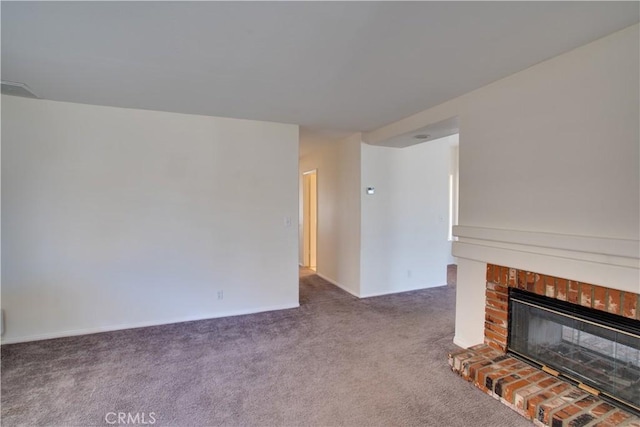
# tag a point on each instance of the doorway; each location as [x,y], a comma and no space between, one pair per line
[310,219]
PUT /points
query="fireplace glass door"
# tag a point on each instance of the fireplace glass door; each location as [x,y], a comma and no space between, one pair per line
[597,349]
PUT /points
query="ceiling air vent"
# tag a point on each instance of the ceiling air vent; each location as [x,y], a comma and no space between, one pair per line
[17,89]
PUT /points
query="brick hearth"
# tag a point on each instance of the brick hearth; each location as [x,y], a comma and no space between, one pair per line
[538,396]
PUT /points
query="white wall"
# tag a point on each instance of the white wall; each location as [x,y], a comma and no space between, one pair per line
[470,303]
[549,171]
[348,252]
[115,218]
[338,165]
[405,223]
[454,190]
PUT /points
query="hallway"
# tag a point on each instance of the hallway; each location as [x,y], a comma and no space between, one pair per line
[314,289]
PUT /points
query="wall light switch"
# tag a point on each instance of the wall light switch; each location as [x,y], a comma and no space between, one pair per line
[371,190]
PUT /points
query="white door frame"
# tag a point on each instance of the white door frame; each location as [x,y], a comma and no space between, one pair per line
[310,219]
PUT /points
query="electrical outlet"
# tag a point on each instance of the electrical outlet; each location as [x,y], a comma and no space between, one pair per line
[220,294]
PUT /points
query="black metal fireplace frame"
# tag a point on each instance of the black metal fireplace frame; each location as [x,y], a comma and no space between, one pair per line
[608,320]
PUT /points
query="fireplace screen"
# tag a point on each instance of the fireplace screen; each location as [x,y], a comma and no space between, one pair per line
[587,346]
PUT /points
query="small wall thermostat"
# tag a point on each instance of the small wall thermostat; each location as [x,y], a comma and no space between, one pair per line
[371,190]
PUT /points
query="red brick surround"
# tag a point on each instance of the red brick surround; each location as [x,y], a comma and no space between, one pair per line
[500,279]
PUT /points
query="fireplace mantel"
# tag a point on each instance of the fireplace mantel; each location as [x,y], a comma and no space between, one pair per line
[614,262]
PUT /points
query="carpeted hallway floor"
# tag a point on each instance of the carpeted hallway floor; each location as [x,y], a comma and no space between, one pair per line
[336,360]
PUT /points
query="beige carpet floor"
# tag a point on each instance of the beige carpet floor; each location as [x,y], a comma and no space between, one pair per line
[335,361]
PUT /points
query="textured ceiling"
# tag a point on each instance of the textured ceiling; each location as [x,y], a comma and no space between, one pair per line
[338,66]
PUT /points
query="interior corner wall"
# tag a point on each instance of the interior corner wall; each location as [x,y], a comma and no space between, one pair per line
[405,223]
[349,215]
[550,154]
[338,177]
[115,218]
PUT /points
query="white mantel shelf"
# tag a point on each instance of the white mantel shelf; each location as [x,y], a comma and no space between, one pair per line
[608,262]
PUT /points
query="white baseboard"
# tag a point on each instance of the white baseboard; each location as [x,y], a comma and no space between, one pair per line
[376,294]
[336,283]
[96,330]
[399,291]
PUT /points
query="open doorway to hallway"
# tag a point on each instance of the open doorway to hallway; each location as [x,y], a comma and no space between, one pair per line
[310,219]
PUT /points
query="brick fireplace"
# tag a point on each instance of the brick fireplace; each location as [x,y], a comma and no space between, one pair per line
[537,395]
[500,279]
